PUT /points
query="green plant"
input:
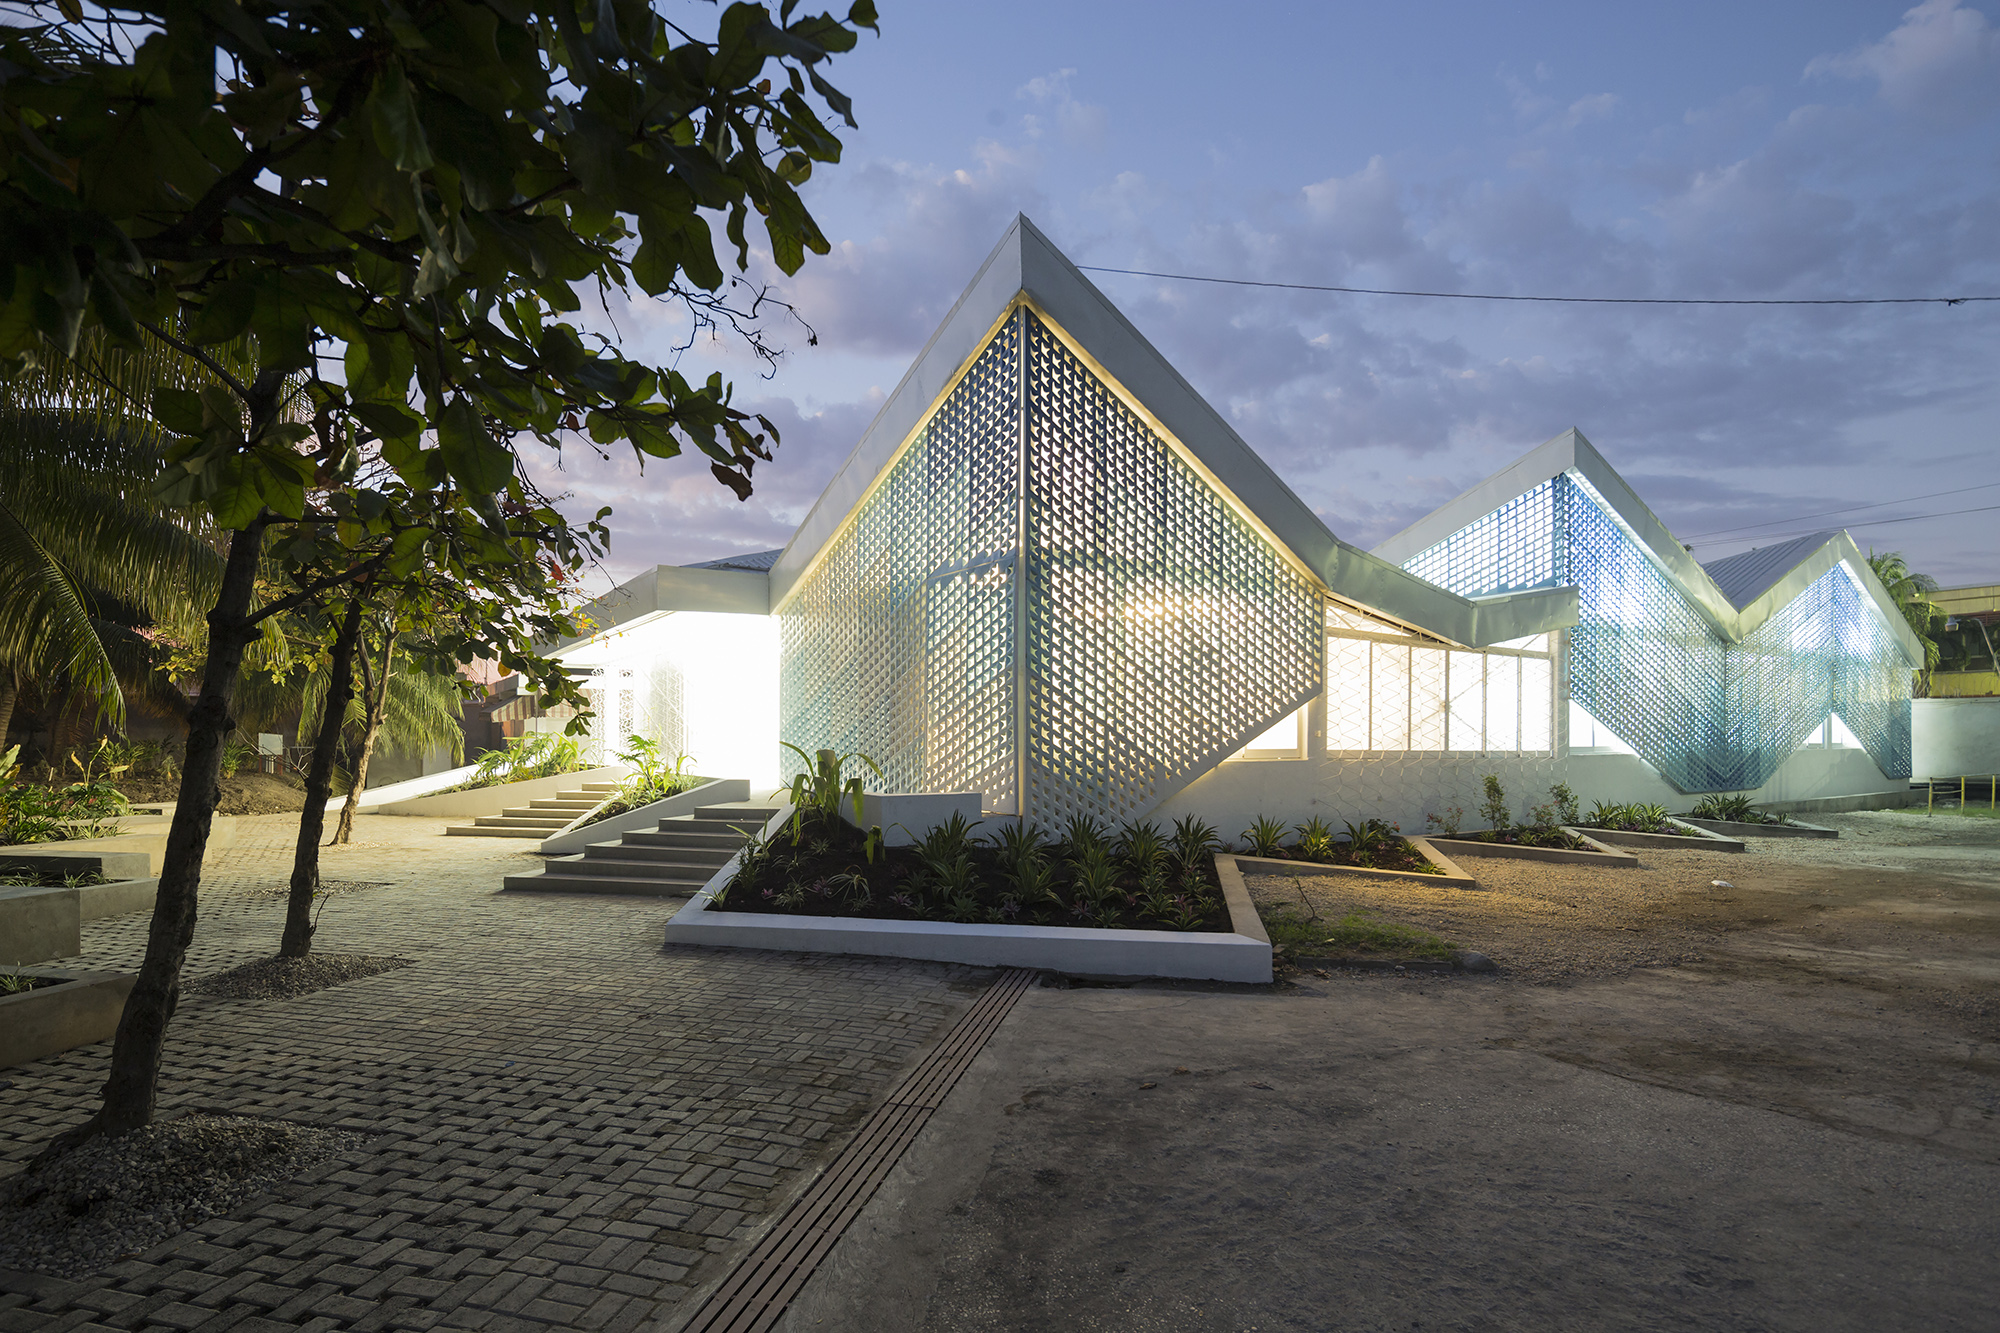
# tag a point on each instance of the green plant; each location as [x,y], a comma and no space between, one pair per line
[1653,817]
[16,981]
[1448,822]
[1184,911]
[1564,801]
[1316,840]
[1541,818]
[1265,837]
[1140,846]
[1494,808]
[1096,879]
[824,782]
[1194,841]
[1735,809]
[1368,837]
[1082,833]
[654,774]
[1607,814]
[949,839]
[236,753]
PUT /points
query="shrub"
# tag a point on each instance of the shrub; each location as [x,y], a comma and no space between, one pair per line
[1494,808]
[1266,837]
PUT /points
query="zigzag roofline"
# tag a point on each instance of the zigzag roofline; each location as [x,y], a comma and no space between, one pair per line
[1570,452]
[1026,268]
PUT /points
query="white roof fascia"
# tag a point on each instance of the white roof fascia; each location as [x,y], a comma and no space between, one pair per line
[665,589]
[1026,264]
[1571,452]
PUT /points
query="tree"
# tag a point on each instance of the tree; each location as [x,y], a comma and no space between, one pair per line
[1911,592]
[82,537]
[395,204]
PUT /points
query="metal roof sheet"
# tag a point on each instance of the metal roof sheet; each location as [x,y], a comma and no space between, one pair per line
[756,560]
[1748,575]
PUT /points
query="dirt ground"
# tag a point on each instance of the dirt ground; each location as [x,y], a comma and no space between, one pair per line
[1769,1106]
[251,793]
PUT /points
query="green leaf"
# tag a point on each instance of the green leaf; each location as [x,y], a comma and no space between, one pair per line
[389,421]
[399,131]
[179,410]
[470,454]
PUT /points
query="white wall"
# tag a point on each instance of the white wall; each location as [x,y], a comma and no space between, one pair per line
[1952,738]
[1813,773]
[720,674]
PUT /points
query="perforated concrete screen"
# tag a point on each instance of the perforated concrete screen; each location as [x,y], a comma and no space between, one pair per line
[1085,648]
[1163,630]
[1710,714]
[900,643]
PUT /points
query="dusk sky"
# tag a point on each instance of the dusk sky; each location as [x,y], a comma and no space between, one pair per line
[1688,150]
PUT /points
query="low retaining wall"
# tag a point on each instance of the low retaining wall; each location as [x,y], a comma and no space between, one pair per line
[1457,878]
[39,923]
[1601,855]
[492,800]
[1833,805]
[150,842]
[578,837]
[49,1020]
[1733,829]
[1242,955]
[1695,838]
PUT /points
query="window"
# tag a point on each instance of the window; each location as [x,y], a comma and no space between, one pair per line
[1389,691]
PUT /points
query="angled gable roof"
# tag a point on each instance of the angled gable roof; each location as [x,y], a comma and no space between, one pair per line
[1026,267]
[1735,595]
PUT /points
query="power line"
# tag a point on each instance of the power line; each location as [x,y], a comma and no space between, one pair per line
[1850,509]
[1879,522]
[1556,300]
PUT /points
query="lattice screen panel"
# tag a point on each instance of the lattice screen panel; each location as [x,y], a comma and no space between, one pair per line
[1709,714]
[900,642]
[1163,630]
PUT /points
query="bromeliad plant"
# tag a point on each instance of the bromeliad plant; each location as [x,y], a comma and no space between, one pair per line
[824,783]
[1265,837]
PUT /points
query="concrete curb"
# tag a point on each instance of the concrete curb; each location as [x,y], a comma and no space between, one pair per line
[1457,878]
[1243,955]
[1733,829]
[48,1020]
[1699,839]
[1603,855]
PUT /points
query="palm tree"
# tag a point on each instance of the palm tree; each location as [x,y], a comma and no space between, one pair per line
[86,551]
[1911,592]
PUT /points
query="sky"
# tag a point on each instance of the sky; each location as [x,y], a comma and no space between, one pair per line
[1692,149]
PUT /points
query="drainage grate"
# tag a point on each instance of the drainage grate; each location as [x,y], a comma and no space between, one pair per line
[751,1298]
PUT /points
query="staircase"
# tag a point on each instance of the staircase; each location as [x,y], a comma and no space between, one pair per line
[672,861]
[537,819]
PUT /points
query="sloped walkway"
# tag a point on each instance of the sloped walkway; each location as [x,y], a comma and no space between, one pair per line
[569,1122]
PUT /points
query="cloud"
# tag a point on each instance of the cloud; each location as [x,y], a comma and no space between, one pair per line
[1078,124]
[1942,58]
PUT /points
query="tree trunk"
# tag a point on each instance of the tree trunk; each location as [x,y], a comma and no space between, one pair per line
[142,1030]
[378,704]
[10,686]
[297,942]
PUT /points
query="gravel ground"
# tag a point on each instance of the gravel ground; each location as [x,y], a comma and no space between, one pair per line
[117,1197]
[328,888]
[285,978]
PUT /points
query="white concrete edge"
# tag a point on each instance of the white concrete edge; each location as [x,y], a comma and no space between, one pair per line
[1267,865]
[580,835]
[492,800]
[1071,949]
[406,790]
[1697,831]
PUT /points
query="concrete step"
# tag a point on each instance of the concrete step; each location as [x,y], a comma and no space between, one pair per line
[549,882]
[602,789]
[711,857]
[514,820]
[475,831]
[737,813]
[605,867]
[578,804]
[683,824]
[727,842]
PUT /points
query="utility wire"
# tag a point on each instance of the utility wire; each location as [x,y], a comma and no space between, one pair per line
[1559,300]
[1874,523]
[1850,509]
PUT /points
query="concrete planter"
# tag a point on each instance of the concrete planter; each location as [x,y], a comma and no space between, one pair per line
[48,1020]
[1731,829]
[1699,839]
[492,800]
[580,835]
[1457,878]
[1599,855]
[146,837]
[1244,954]
[41,923]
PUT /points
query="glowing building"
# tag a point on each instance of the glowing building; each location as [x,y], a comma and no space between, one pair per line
[1052,574]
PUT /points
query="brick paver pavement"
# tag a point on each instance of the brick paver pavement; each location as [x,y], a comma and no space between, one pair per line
[570,1123]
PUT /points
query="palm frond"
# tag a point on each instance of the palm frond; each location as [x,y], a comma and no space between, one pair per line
[45,619]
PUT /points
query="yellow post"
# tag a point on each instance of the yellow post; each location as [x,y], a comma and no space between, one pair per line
[1930,795]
